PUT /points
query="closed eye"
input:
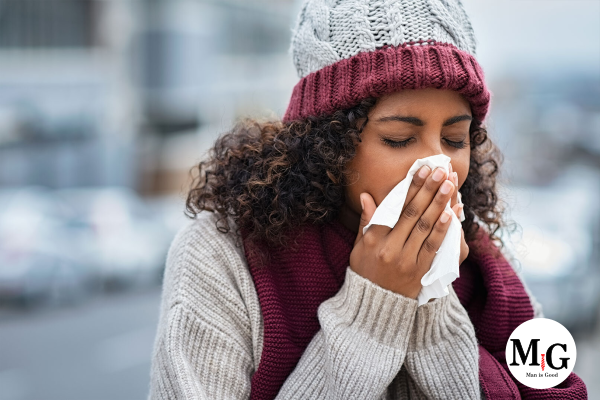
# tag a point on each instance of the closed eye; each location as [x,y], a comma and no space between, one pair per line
[403,143]
[459,145]
[394,143]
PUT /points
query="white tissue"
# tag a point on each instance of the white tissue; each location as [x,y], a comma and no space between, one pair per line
[445,266]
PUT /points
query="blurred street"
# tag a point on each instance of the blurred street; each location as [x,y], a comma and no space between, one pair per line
[98,350]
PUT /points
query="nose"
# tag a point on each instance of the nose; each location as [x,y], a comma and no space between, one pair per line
[431,152]
[432,145]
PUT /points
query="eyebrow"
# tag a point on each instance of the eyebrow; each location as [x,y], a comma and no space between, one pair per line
[418,122]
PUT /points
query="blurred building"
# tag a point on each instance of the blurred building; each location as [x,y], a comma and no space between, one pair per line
[544,125]
[205,64]
[106,92]
[68,109]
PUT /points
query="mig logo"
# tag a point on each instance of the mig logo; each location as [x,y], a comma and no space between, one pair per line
[541,353]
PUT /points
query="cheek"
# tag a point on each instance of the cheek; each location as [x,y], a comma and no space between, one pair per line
[375,173]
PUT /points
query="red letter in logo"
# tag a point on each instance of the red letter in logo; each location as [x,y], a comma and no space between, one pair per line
[543,362]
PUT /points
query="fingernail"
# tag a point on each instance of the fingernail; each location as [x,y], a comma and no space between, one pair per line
[446,187]
[362,204]
[444,218]
[456,178]
[438,174]
[424,172]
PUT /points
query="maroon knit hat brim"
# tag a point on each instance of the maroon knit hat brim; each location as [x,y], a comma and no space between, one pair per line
[386,70]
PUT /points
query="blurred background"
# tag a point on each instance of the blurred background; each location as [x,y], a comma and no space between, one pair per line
[105,105]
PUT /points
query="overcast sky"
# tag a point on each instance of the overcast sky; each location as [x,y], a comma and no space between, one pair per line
[536,36]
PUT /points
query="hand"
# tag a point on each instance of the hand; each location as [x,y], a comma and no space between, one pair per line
[396,259]
[457,208]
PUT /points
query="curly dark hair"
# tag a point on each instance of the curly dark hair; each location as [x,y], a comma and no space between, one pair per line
[273,176]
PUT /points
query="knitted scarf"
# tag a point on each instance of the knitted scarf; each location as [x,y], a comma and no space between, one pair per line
[294,282]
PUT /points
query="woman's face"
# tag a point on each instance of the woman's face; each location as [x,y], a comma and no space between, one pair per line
[401,128]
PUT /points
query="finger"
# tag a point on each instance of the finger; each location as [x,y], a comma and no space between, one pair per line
[369,207]
[427,222]
[417,206]
[451,176]
[433,242]
[417,183]
[457,209]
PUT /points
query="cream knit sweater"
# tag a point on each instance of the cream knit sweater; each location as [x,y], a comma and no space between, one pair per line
[373,343]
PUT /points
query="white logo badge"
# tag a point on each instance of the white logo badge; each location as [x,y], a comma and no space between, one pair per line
[541,353]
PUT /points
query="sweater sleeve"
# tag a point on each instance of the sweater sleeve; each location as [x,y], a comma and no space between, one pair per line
[375,343]
[443,353]
[360,347]
[209,335]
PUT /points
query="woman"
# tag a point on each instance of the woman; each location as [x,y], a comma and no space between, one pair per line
[273,291]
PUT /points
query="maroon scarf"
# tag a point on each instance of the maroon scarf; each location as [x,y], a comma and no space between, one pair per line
[293,284]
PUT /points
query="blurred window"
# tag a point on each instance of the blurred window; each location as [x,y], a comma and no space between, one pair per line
[251,31]
[46,24]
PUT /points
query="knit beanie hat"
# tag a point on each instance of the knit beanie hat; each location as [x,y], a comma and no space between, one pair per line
[347,50]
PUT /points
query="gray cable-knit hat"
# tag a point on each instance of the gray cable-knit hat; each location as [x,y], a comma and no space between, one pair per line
[346,50]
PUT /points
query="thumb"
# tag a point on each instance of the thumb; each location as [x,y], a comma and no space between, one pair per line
[368,209]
